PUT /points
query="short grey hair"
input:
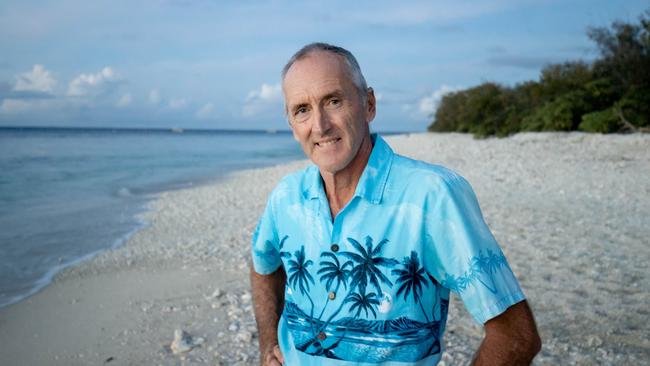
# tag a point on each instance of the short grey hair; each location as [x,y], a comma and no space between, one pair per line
[353,66]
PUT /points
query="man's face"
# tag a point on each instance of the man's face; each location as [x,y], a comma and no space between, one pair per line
[326,112]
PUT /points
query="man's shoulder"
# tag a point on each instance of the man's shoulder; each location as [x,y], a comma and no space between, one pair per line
[410,172]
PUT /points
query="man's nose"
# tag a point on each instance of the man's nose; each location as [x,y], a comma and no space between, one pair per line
[321,123]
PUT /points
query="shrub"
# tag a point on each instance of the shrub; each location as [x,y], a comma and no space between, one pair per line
[561,114]
[604,121]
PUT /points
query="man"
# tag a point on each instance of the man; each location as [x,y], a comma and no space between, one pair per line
[354,257]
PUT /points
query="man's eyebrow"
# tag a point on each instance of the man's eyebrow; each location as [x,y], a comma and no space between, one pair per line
[334,94]
[297,106]
[338,93]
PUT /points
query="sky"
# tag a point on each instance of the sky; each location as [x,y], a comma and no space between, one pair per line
[216,64]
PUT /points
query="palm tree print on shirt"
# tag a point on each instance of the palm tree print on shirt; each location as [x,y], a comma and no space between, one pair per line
[411,280]
[356,278]
[481,269]
[362,301]
[366,265]
[299,272]
[299,276]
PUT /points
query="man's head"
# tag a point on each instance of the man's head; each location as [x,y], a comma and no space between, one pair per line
[328,104]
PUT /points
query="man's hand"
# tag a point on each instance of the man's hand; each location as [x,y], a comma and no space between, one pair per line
[510,338]
[268,298]
[272,357]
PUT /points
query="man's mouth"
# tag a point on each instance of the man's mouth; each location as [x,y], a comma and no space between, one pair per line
[328,142]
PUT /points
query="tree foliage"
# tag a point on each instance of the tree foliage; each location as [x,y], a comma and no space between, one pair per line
[610,94]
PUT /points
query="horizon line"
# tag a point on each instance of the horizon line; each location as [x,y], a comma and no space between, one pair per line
[178,130]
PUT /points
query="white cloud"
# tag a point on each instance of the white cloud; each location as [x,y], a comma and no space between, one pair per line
[205,112]
[266,92]
[154,96]
[125,100]
[177,103]
[39,80]
[93,84]
[266,97]
[427,105]
[33,91]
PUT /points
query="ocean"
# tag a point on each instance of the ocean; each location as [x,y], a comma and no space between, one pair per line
[66,194]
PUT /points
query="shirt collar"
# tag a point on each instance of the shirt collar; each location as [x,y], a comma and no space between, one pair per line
[372,181]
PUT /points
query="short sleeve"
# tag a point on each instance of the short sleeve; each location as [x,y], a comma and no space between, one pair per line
[467,259]
[265,255]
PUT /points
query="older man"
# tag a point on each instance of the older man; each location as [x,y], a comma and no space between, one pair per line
[355,256]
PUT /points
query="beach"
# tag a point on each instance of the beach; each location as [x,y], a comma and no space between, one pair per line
[570,210]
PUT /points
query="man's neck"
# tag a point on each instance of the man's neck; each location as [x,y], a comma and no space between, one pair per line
[340,186]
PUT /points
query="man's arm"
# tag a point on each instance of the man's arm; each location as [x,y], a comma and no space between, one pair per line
[510,338]
[268,298]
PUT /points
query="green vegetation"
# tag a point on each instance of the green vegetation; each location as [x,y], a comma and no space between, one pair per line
[611,94]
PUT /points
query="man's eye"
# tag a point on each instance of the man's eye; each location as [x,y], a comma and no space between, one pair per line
[335,102]
[300,110]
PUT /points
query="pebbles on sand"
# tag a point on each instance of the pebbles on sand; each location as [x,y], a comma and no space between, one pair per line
[569,209]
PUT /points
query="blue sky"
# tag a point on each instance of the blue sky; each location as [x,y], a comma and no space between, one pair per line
[216,64]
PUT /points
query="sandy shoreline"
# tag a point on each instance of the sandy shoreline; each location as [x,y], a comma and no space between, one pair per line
[570,211]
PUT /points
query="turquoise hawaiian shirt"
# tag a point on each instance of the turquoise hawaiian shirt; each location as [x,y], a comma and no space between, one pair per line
[372,286]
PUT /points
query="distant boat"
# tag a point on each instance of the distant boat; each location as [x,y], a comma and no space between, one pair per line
[271,131]
[177,130]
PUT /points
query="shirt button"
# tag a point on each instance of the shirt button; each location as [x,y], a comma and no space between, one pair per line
[335,248]
[322,336]
[332,295]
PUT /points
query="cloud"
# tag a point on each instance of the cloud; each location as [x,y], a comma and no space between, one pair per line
[177,103]
[86,85]
[124,101]
[267,97]
[33,90]
[266,93]
[8,91]
[205,112]
[427,105]
[37,80]
[154,96]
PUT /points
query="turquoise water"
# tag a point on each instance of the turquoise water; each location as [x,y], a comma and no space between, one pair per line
[66,194]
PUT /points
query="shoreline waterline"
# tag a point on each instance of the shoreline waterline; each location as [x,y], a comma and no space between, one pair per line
[70,194]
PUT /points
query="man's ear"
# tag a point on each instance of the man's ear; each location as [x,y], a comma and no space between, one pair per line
[371,105]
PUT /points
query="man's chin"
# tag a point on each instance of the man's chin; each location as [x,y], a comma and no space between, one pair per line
[330,167]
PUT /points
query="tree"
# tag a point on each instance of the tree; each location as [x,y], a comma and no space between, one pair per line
[332,270]
[625,53]
[363,301]
[366,264]
[411,278]
[299,276]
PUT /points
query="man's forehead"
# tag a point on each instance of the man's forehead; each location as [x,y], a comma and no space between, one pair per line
[317,66]
[318,73]
[323,60]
